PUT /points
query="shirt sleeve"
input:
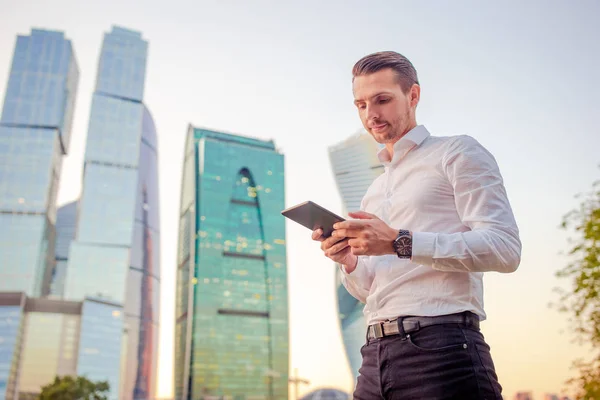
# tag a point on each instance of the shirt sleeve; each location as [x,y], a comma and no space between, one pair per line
[492,242]
[358,282]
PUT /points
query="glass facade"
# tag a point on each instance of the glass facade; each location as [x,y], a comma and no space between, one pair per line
[40,336]
[231,303]
[66,222]
[41,345]
[355,166]
[11,333]
[122,67]
[352,324]
[143,279]
[100,344]
[97,272]
[35,130]
[114,257]
[42,84]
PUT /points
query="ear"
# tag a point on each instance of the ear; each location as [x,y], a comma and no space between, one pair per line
[414,95]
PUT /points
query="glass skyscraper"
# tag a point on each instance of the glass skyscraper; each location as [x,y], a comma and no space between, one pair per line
[79,288]
[355,166]
[114,256]
[66,224]
[35,130]
[231,333]
[45,337]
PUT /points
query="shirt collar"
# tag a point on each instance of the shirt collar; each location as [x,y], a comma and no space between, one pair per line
[413,138]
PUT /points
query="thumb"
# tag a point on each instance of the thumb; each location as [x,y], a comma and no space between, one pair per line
[362,215]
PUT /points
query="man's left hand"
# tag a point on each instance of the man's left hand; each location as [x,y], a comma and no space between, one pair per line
[369,236]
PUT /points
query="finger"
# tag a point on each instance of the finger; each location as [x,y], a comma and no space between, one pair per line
[355,243]
[358,247]
[348,233]
[336,248]
[358,251]
[350,224]
[318,235]
[330,241]
[362,215]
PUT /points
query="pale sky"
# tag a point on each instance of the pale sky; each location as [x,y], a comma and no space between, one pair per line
[521,79]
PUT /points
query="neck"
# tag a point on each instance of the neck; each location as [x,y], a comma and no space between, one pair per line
[390,145]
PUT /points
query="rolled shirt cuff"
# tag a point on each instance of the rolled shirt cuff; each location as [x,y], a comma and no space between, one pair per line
[423,246]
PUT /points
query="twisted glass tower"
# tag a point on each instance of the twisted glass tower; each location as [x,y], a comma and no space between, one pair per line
[355,166]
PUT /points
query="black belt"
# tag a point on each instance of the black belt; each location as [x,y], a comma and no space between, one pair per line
[405,325]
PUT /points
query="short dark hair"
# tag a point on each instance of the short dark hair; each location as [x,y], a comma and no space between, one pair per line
[406,72]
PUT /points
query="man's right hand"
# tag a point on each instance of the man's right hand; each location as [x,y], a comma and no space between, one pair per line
[337,249]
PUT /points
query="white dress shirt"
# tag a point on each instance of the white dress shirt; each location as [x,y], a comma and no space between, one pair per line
[449,193]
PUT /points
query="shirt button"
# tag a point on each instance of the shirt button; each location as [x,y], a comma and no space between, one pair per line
[389,194]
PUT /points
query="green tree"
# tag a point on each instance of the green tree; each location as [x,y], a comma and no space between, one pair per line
[582,300]
[79,388]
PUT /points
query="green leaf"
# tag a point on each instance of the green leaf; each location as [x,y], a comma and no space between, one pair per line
[79,388]
[582,300]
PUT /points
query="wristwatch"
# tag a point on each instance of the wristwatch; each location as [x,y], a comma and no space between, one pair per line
[403,244]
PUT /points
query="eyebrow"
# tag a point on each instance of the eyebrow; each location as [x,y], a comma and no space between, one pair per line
[372,97]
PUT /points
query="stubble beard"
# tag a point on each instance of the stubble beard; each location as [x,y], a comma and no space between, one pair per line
[396,129]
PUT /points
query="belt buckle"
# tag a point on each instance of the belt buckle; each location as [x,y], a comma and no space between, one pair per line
[378,330]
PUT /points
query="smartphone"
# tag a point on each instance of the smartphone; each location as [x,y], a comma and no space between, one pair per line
[312,216]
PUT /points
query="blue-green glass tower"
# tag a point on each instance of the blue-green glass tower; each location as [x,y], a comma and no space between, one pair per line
[231,334]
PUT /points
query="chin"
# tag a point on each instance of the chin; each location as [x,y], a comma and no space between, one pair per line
[382,138]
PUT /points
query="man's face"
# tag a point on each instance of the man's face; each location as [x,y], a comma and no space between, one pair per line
[385,110]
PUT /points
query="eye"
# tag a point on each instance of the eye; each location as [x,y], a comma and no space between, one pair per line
[361,106]
[384,100]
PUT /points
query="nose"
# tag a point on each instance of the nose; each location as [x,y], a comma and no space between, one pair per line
[371,113]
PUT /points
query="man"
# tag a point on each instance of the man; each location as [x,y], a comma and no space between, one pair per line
[415,254]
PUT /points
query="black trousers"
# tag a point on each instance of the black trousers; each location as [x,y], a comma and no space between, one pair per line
[439,362]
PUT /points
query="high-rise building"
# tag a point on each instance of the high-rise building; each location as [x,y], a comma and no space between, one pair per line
[326,394]
[523,396]
[549,396]
[35,129]
[114,256]
[66,223]
[355,166]
[45,337]
[231,332]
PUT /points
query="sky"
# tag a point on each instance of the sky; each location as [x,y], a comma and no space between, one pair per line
[520,77]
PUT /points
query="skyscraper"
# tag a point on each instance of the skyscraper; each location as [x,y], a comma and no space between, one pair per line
[101,318]
[66,223]
[46,337]
[355,166]
[231,333]
[549,396]
[35,131]
[523,396]
[114,257]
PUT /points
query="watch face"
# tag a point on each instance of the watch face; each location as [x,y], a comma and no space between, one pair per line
[403,246]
